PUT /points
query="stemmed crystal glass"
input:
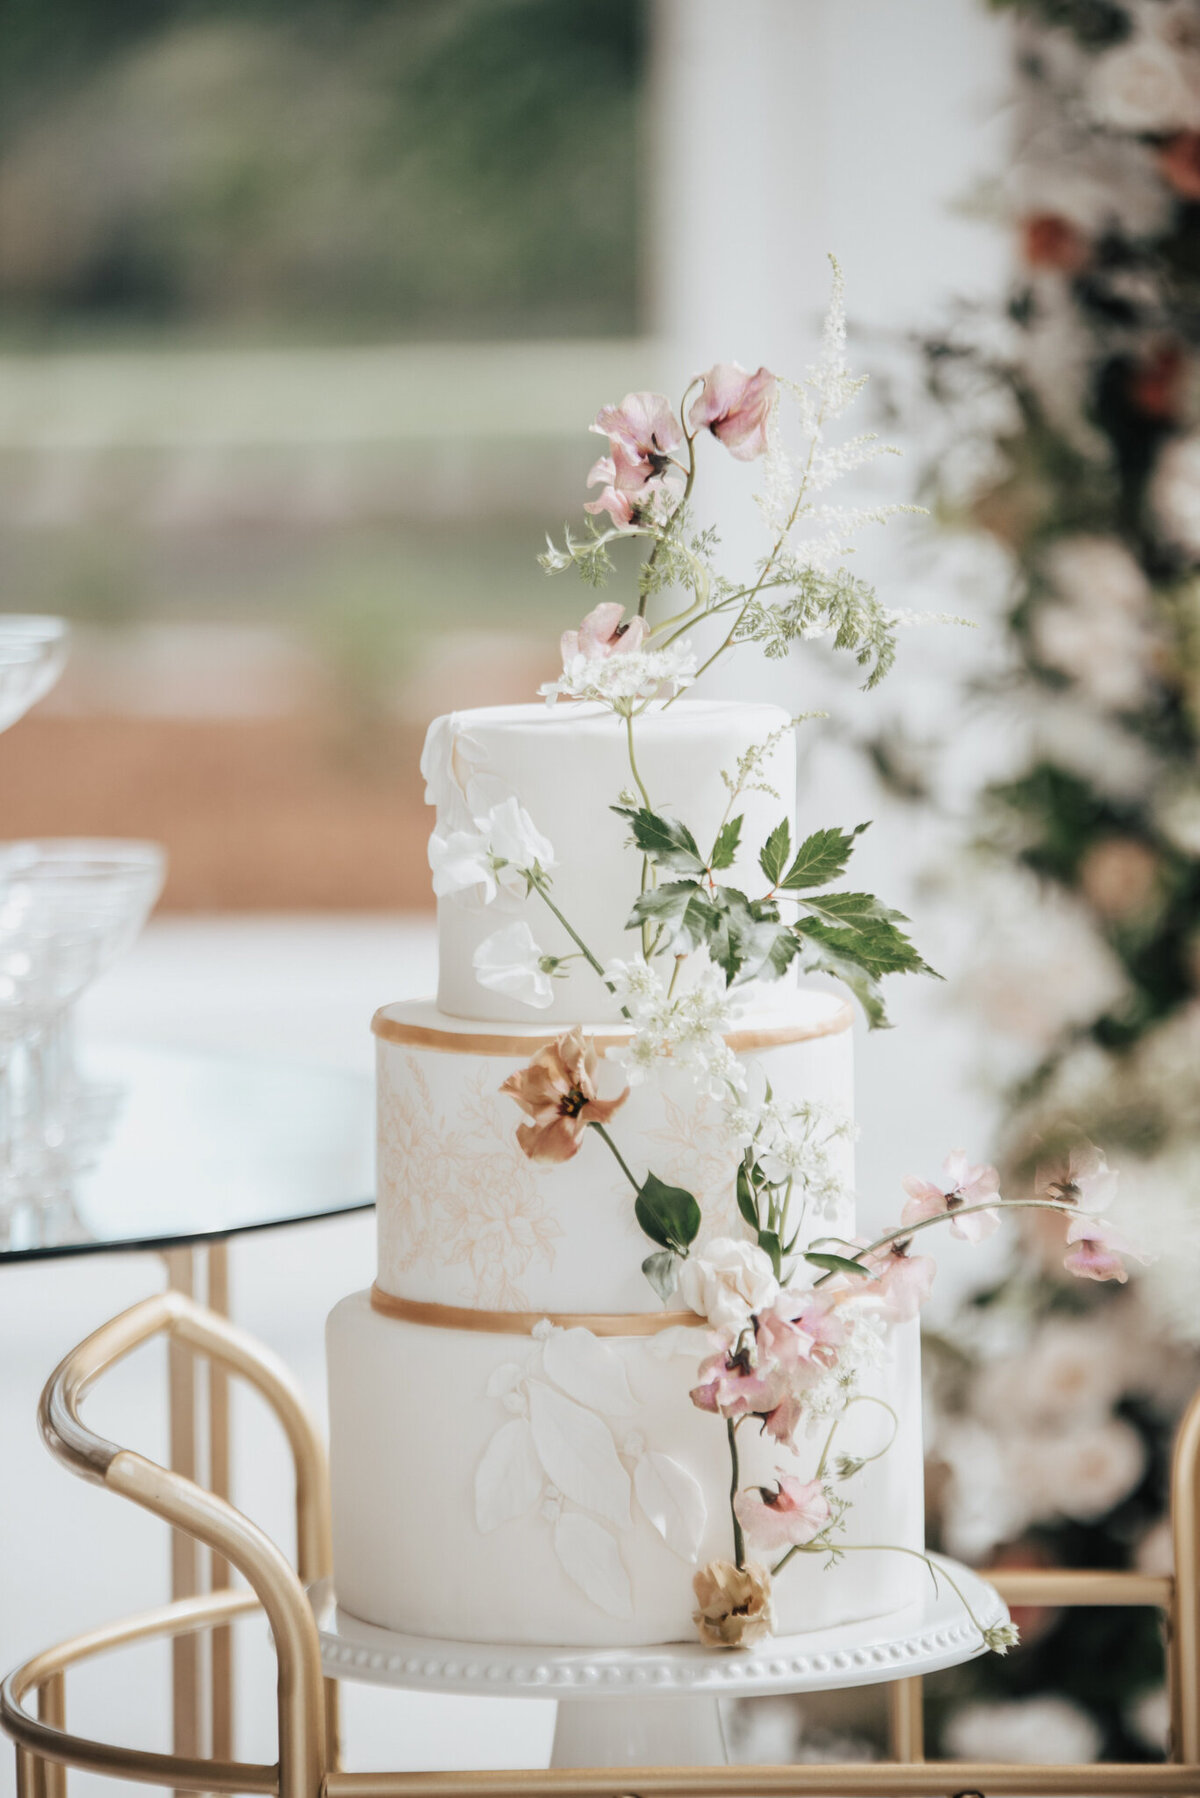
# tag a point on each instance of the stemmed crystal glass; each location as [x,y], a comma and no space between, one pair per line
[33,650]
[68,908]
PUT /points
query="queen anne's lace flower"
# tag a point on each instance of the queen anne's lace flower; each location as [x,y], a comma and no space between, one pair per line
[685,1031]
[619,680]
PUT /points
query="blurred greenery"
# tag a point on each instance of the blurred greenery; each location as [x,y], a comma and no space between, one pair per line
[249,169]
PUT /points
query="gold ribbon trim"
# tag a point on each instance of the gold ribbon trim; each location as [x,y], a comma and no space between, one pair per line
[473,1042]
[521,1323]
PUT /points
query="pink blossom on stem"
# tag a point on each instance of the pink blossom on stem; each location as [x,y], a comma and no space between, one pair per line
[644,428]
[1082,1177]
[902,1283]
[736,1383]
[1098,1250]
[961,1185]
[735,407]
[792,1515]
[604,632]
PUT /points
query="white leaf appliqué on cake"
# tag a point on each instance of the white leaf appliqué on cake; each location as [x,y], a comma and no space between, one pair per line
[589,1556]
[588,1370]
[673,1501]
[578,1453]
[508,1481]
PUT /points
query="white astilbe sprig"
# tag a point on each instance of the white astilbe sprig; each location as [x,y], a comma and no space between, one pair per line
[828,389]
[832,461]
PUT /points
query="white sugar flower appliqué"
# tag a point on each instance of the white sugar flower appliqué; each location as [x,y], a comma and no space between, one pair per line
[510,961]
[622,679]
[492,854]
[686,1031]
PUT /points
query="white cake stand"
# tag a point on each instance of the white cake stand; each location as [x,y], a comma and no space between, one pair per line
[652,1707]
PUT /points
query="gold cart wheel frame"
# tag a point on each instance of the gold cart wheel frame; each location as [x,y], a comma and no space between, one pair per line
[306,1767]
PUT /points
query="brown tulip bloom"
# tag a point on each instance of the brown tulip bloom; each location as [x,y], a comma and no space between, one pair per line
[734,1605]
[558,1091]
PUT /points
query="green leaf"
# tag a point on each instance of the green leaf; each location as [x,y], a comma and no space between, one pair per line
[768,1240]
[725,847]
[785,945]
[667,842]
[745,1197]
[773,858]
[821,858]
[662,1271]
[874,943]
[667,1214]
[837,1264]
[821,959]
[682,906]
[858,909]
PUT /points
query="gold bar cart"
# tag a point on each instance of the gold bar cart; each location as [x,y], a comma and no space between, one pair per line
[308,1765]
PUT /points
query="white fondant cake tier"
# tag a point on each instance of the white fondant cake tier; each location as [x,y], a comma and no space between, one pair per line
[465,1218]
[566,765]
[424,1542]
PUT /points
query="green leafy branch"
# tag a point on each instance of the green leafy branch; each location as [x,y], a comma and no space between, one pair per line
[852,936]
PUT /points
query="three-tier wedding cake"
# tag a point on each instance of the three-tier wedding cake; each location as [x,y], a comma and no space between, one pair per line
[515,1453]
[628,1371]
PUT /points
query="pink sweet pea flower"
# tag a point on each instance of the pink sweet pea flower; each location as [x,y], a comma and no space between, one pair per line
[961,1185]
[735,407]
[644,427]
[604,632]
[1082,1177]
[1098,1250]
[734,1383]
[902,1282]
[793,1514]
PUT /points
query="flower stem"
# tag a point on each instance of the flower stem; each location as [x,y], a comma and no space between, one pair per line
[621,1161]
[739,1540]
[633,767]
[576,939]
[678,512]
[892,1548]
[903,1231]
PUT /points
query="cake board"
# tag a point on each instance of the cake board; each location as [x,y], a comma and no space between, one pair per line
[660,1705]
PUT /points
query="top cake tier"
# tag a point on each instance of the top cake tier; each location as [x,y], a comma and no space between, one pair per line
[566,766]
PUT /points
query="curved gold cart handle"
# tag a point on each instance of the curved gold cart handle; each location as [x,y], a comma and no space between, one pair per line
[184,1505]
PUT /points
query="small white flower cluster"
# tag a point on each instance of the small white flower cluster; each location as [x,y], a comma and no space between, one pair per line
[797,1142]
[865,1348]
[684,1031]
[619,680]
[493,853]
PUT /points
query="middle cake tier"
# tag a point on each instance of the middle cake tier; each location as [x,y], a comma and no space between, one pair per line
[465,1218]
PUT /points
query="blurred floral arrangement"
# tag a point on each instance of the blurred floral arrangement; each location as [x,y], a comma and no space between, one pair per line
[1079,453]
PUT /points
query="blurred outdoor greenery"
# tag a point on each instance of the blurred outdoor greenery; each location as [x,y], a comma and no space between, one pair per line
[332,169]
[303,180]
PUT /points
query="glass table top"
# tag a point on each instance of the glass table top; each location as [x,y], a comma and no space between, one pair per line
[191,1146]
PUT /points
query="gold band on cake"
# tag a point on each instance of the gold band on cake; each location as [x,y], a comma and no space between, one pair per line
[486,1042]
[521,1323]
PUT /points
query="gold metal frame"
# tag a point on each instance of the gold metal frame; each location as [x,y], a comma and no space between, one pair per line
[308,1767]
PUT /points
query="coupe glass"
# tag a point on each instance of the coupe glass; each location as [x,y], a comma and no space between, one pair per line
[32,653]
[68,908]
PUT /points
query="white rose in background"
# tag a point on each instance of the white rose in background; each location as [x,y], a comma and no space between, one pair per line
[1097,573]
[1175,492]
[1049,1732]
[510,961]
[1100,634]
[491,854]
[1086,1472]
[1146,85]
[728,1283]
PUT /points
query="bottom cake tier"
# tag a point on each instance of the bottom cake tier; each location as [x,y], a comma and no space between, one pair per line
[560,1487]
